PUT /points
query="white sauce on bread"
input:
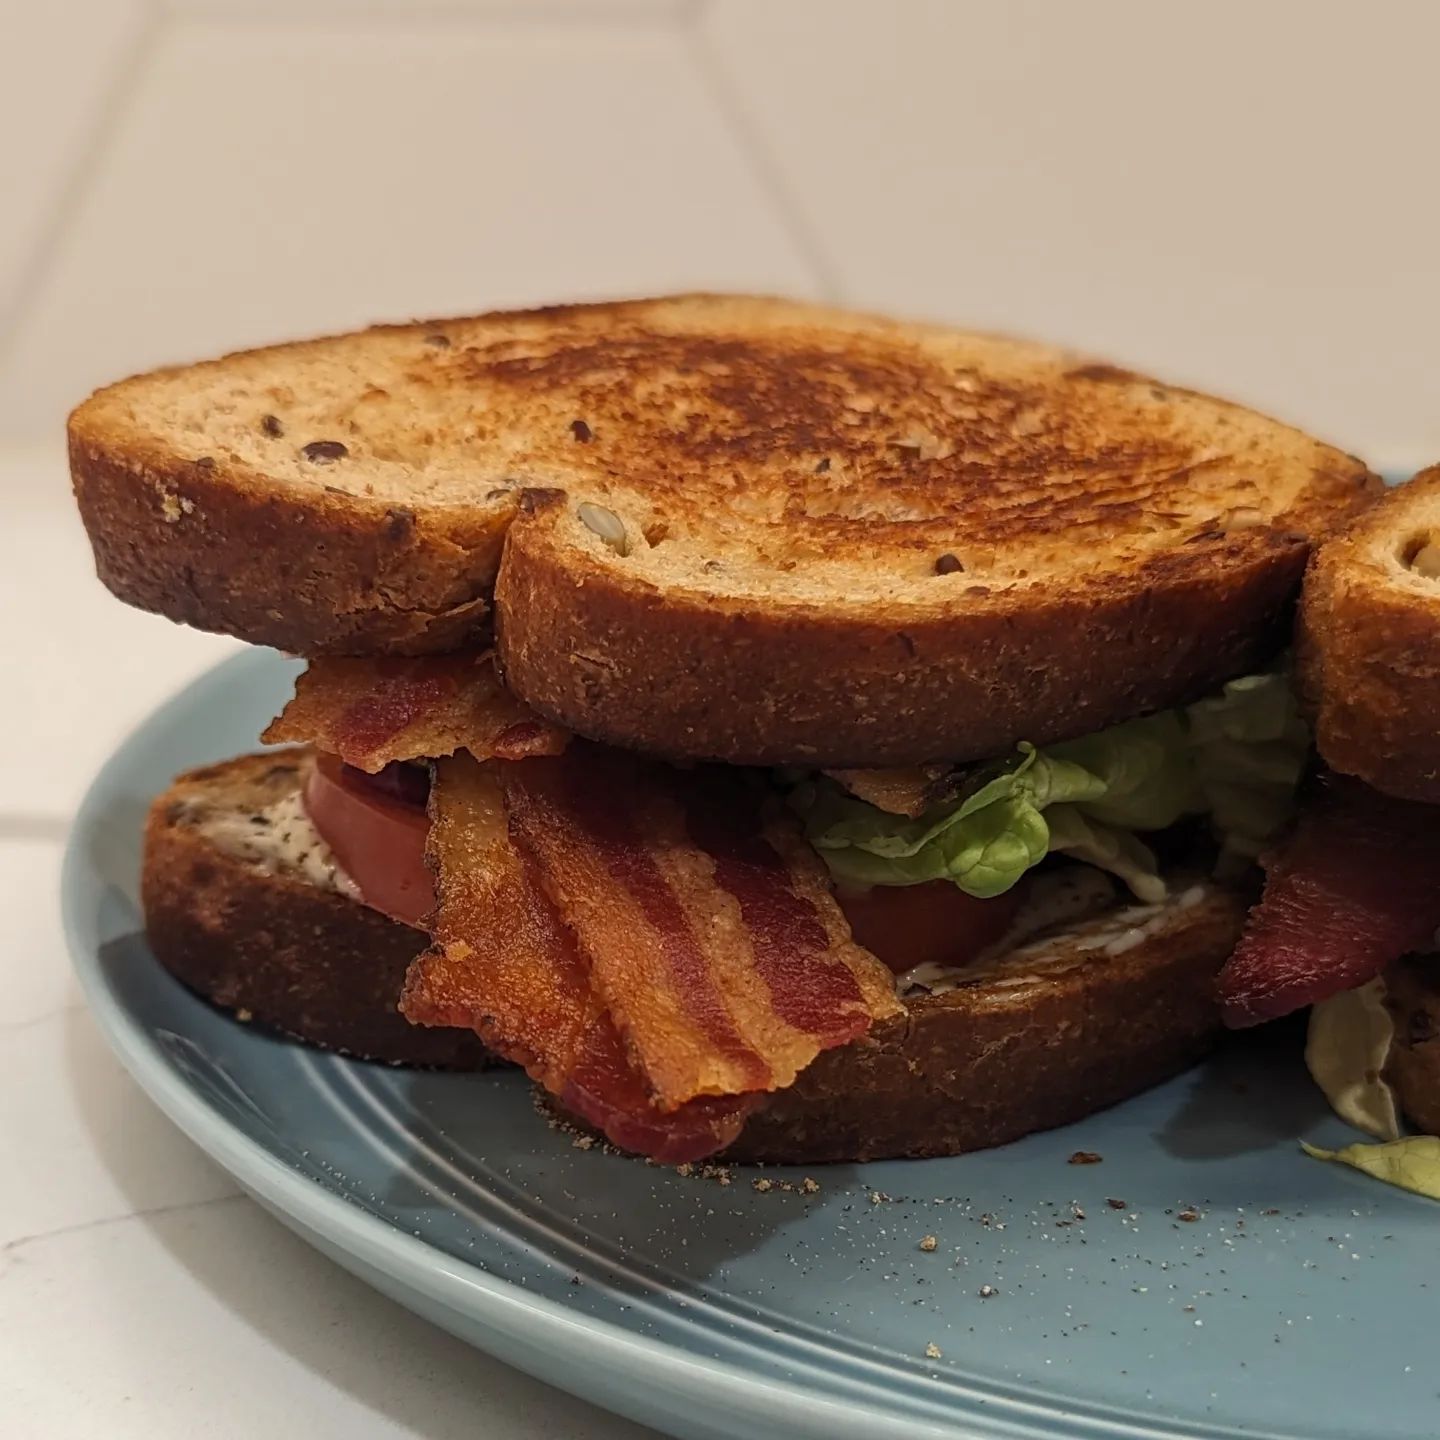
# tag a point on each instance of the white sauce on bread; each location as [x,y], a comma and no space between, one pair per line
[1057,901]
[280,839]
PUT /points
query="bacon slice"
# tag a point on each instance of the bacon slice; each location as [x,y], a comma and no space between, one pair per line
[372,712]
[910,791]
[708,921]
[503,964]
[1356,887]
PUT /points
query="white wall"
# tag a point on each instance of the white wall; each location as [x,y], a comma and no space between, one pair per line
[1241,194]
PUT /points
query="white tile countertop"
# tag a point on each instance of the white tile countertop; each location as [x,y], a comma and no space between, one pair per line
[140,1293]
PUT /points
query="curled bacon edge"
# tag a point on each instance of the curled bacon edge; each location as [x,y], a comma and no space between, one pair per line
[372,712]
[1355,887]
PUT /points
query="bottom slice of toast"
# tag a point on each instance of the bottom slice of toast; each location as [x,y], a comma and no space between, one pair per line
[1036,1037]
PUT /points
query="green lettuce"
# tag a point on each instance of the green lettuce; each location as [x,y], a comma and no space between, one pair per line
[1236,757]
[1348,1047]
[1412,1164]
[984,842]
[1248,747]
[1123,854]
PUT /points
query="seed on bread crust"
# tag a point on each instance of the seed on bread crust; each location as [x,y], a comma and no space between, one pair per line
[272,426]
[606,524]
[324,452]
[1426,560]
[948,564]
[1243,517]
[581,431]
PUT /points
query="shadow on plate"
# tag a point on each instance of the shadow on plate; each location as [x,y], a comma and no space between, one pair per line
[1253,1094]
[464,1161]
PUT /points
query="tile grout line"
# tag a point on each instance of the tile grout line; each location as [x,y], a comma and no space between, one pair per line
[28,826]
[99,137]
[13,1027]
[21,1242]
[388,12]
[757,153]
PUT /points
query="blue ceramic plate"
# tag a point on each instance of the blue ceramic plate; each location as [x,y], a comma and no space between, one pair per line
[1242,1290]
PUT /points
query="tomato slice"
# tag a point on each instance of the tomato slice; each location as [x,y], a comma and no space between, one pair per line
[937,922]
[377,837]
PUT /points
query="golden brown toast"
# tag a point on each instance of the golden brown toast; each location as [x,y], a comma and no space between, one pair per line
[1369,644]
[731,527]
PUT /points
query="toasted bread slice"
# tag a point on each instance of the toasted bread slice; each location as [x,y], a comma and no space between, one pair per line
[241,904]
[737,528]
[1413,996]
[1369,644]
[1041,1036]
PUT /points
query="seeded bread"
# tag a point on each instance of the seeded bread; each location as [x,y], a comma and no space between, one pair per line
[1369,644]
[739,528]
[1042,1036]
[241,911]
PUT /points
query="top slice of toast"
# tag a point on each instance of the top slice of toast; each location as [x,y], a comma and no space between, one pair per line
[740,528]
[1369,644]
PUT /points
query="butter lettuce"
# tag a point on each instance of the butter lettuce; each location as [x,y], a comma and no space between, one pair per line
[1412,1164]
[1144,772]
[1347,1050]
[984,842]
[1236,757]
[1074,833]
[1248,747]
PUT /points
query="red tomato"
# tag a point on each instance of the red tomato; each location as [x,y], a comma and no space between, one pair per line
[909,925]
[377,838]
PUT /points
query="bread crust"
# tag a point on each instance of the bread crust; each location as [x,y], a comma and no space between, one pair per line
[310,574]
[273,948]
[841,539]
[696,677]
[1368,647]
[1412,993]
[1043,1037]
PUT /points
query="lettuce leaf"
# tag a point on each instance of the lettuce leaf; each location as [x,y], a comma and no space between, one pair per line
[1107,848]
[1144,771]
[1412,1164]
[1249,747]
[1236,756]
[984,843]
[1346,1052]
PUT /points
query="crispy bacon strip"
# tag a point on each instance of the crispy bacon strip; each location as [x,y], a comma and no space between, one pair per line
[1356,887]
[707,920]
[372,712]
[910,791]
[504,965]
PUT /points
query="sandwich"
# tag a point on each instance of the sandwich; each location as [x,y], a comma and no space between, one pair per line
[1348,921]
[784,733]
